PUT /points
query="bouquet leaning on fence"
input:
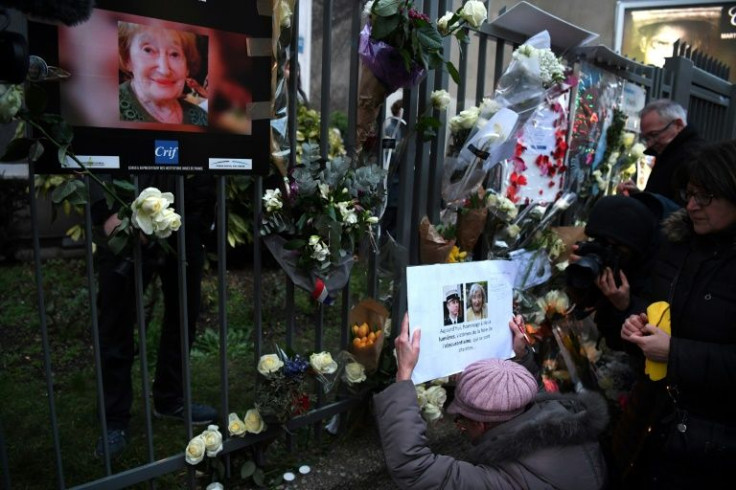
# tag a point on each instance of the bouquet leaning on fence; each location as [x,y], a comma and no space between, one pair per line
[398,44]
[313,226]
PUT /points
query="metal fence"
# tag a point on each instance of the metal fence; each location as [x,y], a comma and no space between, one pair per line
[709,99]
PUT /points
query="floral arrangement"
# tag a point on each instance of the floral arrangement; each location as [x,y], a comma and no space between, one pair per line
[313,226]
[397,45]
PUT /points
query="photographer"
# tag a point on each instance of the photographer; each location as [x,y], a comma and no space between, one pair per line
[610,273]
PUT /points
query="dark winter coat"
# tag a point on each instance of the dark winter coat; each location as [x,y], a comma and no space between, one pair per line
[696,275]
[553,444]
[680,150]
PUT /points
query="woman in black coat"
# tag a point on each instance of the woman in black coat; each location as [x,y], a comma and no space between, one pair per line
[693,441]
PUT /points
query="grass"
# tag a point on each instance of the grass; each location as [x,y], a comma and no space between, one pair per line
[25,412]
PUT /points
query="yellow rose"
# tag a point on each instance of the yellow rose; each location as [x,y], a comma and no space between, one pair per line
[269,364]
[195,450]
[254,422]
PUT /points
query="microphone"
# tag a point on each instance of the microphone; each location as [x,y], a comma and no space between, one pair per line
[69,12]
[40,71]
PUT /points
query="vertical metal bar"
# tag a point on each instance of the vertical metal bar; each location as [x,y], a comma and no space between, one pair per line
[294,77]
[4,464]
[463,70]
[184,318]
[142,345]
[437,146]
[355,28]
[222,303]
[326,81]
[92,285]
[44,326]
[498,63]
[257,268]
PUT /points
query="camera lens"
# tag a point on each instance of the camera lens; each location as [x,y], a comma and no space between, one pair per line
[583,273]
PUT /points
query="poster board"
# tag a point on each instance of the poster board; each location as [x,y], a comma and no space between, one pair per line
[446,347]
[646,30]
[113,98]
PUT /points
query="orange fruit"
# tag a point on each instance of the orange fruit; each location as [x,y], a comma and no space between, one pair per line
[363,330]
[356,342]
[355,330]
[371,336]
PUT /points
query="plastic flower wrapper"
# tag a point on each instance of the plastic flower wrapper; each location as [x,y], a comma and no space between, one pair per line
[313,229]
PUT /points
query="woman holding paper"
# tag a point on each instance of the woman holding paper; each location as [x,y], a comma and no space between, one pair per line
[692,441]
[522,439]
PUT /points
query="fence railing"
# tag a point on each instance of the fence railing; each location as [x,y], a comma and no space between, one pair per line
[712,108]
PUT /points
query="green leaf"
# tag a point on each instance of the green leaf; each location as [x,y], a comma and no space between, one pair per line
[386,8]
[259,477]
[385,28]
[73,191]
[17,149]
[61,154]
[429,37]
[295,244]
[35,151]
[124,185]
[247,470]
[36,99]
[453,72]
[117,242]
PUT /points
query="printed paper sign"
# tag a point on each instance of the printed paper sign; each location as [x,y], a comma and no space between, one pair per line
[463,311]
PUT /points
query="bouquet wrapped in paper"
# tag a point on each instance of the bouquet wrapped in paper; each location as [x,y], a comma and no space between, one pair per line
[471,220]
[367,322]
[433,247]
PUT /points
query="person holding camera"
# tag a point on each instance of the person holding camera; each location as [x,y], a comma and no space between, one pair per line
[690,440]
[610,274]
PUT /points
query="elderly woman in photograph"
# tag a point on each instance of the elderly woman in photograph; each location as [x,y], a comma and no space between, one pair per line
[691,431]
[478,309]
[157,63]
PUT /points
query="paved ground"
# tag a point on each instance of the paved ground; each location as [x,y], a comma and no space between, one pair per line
[357,463]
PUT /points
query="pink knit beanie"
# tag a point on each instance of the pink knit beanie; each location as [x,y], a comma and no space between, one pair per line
[493,390]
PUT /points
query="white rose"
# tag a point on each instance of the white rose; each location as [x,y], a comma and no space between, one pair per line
[436,395]
[488,107]
[166,222]
[637,150]
[628,139]
[215,486]
[367,8]
[272,200]
[212,440]
[235,426]
[322,362]
[421,395]
[269,364]
[319,249]
[254,422]
[440,99]
[466,119]
[195,450]
[441,381]
[285,14]
[355,373]
[443,23]
[474,13]
[431,412]
[149,203]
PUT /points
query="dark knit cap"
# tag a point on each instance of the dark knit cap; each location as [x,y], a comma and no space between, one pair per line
[624,220]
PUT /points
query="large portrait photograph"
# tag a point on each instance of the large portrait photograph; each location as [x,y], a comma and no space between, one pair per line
[647,30]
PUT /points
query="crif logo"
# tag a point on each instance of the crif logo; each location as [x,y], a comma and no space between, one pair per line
[166,152]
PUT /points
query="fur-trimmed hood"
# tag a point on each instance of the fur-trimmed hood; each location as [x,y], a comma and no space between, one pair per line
[677,228]
[553,420]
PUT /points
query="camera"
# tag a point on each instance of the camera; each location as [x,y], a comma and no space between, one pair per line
[594,257]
